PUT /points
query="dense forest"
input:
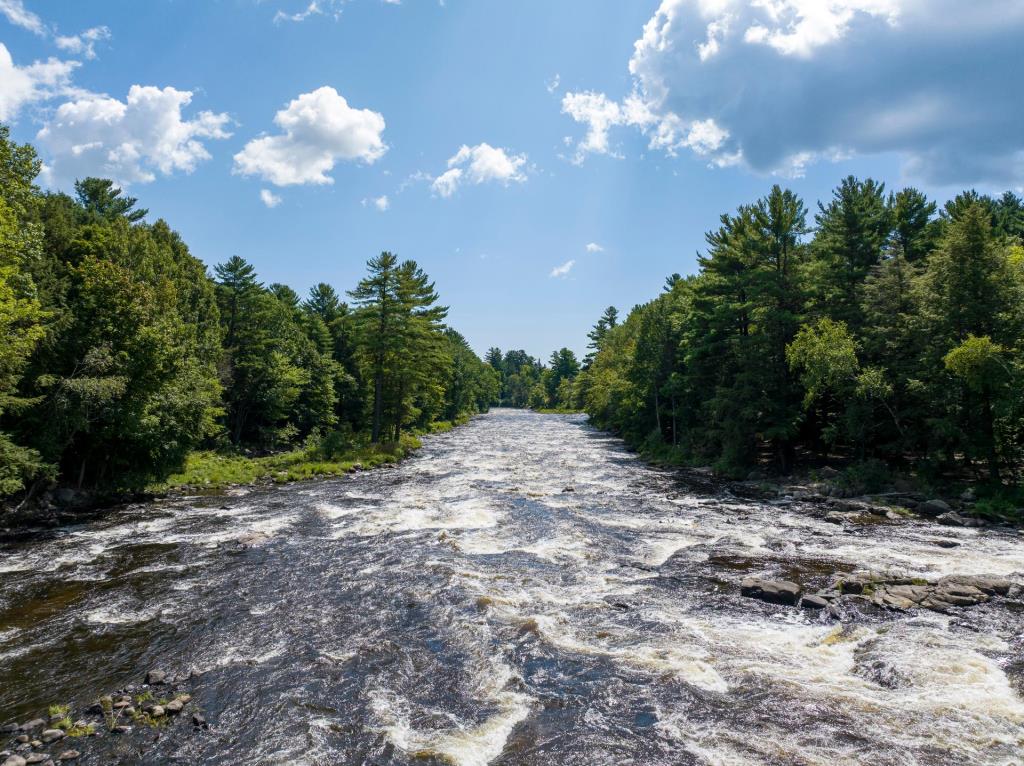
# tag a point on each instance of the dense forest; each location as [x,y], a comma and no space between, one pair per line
[122,354]
[886,332]
[524,381]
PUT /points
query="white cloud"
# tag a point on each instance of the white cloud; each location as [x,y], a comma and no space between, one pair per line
[593,247]
[382,202]
[313,9]
[778,84]
[553,84]
[83,44]
[319,130]
[563,270]
[269,198]
[20,16]
[480,164]
[127,141]
[599,113]
[41,80]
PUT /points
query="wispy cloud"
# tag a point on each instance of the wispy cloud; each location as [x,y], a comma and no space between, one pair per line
[269,198]
[20,16]
[563,270]
[83,43]
[593,247]
[382,203]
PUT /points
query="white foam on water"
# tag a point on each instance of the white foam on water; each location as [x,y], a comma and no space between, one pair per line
[481,744]
[466,743]
[118,614]
[658,550]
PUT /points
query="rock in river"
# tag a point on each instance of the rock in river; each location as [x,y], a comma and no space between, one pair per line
[52,735]
[934,507]
[154,677]
[772,591]
[813,602]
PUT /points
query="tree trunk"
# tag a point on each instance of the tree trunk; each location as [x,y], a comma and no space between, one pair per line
[990,438]
[378,404]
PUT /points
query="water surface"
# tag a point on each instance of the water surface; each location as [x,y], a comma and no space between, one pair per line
[522,591]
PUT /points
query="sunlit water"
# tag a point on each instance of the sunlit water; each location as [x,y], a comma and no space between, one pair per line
[466,608]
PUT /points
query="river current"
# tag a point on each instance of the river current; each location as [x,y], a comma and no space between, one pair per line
[521,591]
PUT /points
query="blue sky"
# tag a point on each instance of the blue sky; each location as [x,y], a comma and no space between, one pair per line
[309,137]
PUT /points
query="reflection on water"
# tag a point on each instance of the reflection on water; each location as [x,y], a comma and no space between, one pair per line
[523,591]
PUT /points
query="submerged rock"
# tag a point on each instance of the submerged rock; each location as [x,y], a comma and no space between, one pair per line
[772,591]
[155,677]
[69,755]
[52,735]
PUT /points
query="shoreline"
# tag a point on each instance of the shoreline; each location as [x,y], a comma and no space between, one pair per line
[62,506]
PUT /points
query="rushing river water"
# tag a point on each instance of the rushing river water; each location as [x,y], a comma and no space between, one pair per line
[522,591]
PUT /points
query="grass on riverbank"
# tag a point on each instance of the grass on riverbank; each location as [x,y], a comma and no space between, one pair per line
[216,470]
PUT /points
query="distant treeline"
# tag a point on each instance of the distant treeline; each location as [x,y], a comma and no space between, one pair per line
[121,354]
[525,382]
[889,331]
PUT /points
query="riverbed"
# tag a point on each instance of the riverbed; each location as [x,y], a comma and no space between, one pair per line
[523,590]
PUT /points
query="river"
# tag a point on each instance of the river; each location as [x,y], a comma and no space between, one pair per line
[523,590]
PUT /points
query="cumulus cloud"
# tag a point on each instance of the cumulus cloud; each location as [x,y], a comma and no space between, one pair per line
[779,84]
[563,270]
[128,141]
[382,202]
[593,247]
[83,44]
[269,198]
[480,164]
[319,129]
[23,85]
[20,16]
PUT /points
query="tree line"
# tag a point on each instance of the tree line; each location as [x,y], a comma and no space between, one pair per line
[122,354]
[524,381]
[885,330]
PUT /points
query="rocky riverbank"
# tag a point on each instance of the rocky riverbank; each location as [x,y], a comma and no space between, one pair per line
[61,735]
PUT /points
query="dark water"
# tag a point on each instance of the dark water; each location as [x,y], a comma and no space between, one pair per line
[464,608]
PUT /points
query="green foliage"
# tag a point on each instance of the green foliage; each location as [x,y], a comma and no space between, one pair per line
[825,356]
[122,355]
[891,337]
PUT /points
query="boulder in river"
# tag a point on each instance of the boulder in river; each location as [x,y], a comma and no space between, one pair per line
[772,591]
[14,760]
[933,507]
[155,677]
[813,602]
[69,755]
[51,735]
[35,723]
[37,758]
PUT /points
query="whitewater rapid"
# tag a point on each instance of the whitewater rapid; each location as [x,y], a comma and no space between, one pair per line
[522,591]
